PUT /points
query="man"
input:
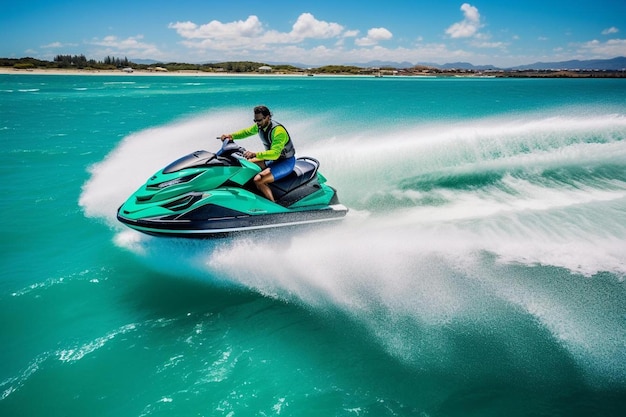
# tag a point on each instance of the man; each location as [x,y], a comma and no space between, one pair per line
[278,159]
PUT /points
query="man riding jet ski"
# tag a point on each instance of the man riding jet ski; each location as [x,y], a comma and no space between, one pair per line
[207,194]
[278,159]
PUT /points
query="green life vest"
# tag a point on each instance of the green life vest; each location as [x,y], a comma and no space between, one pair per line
[266,137]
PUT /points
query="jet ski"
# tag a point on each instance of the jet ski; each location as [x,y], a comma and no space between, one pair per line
[205,195]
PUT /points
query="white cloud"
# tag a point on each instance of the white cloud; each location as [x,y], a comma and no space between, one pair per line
[485,44]
[610,31]
[374,36]
[57,45]
[469,26]
[307,26]
[316,42]
[608,49]
[53,45]
[132,47]
[251,27]
[251,33]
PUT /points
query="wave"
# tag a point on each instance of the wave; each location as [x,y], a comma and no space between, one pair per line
[451,227]
[70,354]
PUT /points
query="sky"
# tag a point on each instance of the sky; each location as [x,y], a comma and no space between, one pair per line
[502,33]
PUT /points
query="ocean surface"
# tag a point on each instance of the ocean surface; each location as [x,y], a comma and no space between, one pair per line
[480,271]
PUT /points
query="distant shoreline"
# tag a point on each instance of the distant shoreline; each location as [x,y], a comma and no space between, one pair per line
[199,73]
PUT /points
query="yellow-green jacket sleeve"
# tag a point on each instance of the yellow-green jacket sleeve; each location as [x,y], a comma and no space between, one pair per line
[244,133]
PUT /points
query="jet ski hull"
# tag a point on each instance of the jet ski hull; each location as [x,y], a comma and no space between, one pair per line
[233,225]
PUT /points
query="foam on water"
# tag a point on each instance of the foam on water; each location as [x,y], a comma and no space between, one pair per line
[528,235]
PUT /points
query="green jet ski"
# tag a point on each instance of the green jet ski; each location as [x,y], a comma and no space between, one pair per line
[205,194]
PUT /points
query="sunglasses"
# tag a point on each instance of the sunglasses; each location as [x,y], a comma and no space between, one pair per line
[258,120]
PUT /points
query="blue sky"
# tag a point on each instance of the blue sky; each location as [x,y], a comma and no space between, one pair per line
[499,32]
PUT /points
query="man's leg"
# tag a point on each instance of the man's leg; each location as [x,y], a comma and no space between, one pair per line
[274,171]
[261,180]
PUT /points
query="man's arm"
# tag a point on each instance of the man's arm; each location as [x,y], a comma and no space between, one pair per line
[244,133]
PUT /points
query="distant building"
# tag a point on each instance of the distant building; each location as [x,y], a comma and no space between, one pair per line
[127,69]
[265,68]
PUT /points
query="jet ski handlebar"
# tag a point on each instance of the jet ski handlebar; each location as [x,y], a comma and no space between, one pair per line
[231,149]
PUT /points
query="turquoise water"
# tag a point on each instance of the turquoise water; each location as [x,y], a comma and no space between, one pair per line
[480,270]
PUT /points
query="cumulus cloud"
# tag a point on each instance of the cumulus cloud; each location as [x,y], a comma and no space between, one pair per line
[374,36]
[307,26]
[470,24]
[251,27]
[309,39]
[243,33]
[318,41]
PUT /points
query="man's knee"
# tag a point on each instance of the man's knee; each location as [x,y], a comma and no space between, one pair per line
[259,180]
[264,177]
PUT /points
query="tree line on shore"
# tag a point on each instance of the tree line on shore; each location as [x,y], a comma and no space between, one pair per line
[112,63]
[81,62]
[65,62]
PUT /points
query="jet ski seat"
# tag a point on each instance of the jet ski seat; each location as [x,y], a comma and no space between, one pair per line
[303,172]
